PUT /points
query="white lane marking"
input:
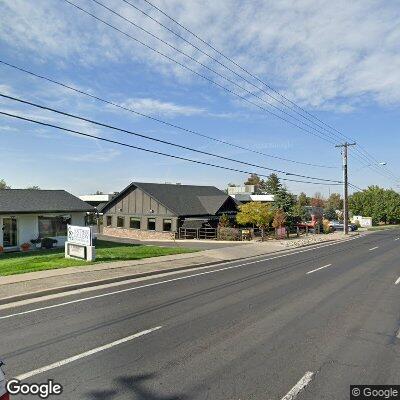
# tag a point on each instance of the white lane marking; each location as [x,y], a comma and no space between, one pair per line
[398,281]
[85,354]
[172,280]
[325,266]
[396,239]
[299,386]
[374,248]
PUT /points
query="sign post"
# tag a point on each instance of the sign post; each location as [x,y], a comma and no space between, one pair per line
[79,243]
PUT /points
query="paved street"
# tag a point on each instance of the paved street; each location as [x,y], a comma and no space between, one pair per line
[305,325]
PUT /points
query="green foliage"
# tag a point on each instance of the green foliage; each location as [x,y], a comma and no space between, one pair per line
[272,185]
[3,184]
[382,205]
[34,187]
[300,212]
[224,221]
[303,200]
[255,213]
[284,200]
[330,214]
[334,201]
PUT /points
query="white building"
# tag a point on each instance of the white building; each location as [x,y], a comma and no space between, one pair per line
[27,214]
[246,193]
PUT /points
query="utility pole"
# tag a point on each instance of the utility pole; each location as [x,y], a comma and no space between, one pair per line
[345,186]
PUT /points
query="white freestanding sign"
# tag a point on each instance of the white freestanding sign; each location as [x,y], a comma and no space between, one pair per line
[79,243]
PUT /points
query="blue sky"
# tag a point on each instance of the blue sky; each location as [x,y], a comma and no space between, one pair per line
[339,61]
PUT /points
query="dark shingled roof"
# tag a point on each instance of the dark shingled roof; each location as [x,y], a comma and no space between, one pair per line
[182,200]
[14,201]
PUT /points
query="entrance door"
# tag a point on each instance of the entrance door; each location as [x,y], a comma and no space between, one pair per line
[9,232]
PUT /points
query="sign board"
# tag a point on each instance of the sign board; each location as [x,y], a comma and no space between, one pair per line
[79,243]
[281,233]
[77,251]
[80,235]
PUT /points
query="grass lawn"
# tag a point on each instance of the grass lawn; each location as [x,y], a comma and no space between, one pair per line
[19,263]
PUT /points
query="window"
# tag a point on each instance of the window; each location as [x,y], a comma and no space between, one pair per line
[151,224]
[109,220]
[120,222]
[134,223]
[167,225]
[53,226]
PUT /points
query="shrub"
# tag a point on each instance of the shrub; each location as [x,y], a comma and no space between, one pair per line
[326,227]
[229,234]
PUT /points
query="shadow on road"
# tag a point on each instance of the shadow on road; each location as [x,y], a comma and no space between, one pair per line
[133,387]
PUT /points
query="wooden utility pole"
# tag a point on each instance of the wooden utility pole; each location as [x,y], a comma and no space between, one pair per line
[345,186]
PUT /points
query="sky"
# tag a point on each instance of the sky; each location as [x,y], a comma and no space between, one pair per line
[339,61]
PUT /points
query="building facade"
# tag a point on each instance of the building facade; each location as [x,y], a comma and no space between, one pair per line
[27,215]
[157,211]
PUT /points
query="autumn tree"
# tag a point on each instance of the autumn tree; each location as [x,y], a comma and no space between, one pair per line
[256,214]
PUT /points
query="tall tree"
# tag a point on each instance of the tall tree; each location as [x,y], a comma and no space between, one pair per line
[317,200]
[3,184]
[334,201]
[253,179]
[271,185]
[303,200]
[284,200]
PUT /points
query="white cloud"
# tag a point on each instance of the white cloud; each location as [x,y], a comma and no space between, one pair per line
[328,55]
[157,107]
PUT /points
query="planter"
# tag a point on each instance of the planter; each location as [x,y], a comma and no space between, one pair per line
[25,246]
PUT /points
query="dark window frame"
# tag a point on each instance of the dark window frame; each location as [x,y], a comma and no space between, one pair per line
[119,218]
[169,220]
[135,219]
[151,220]
[109,218]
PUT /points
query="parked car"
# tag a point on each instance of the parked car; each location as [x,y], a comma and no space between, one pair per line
[3,391]
[339,226]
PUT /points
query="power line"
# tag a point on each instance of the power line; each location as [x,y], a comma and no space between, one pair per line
[158,119]
[361,157]
[211,69]
[152,151]
[42,107]
[200,75]
[364,153]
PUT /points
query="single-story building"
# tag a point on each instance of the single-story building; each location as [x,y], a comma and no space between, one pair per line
[157,210]
[247,193]
[27,214]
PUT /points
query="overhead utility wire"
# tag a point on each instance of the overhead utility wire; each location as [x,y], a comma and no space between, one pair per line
[239,66]
[152,151]
[217,61]
[157,119]
[199,74]
[218,74]
[364,154]
[42,107]
[227,79]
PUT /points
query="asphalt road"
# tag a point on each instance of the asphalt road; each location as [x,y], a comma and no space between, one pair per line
[304,326]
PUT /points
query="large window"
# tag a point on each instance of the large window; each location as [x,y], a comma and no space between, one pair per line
[53,226]
[120,222]
[134,223]
[151,224]
[109,220]
[167,225]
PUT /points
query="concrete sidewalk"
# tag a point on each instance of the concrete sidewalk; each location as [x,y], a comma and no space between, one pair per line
[35,284]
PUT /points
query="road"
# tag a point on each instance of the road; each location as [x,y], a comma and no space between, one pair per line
[300,326]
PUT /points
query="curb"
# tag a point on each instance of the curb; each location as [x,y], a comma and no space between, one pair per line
[61,289]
